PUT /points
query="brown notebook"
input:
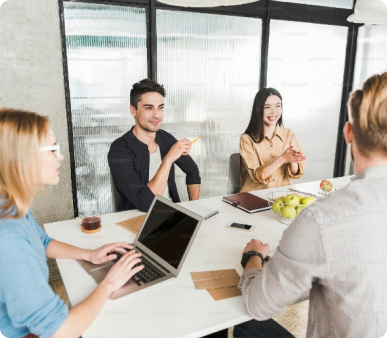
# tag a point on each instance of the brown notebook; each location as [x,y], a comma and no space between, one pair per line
[247,202]
[133,224]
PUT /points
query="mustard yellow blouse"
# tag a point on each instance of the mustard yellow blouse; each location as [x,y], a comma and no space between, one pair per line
[256,156]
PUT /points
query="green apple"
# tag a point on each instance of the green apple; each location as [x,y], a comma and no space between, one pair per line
[292,200]
[278,204]
[300,208]
[282,198]
[308,200]
[288,212]
[300,198]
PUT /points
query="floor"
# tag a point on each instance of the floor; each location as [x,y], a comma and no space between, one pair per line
[294,319]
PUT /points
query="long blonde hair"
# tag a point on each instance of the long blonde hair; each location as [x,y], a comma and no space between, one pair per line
[368,110]
[21,134]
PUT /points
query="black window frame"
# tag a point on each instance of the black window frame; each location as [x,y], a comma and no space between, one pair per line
[262,9]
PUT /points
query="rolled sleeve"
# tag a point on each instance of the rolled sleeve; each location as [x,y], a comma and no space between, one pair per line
[288,275]
[144,199]
[190,168]
[301,165]
[246,282]
[299,173]
[251,160]
[260,174]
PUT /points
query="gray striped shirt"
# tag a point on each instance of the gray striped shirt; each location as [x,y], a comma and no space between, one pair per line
[337,249]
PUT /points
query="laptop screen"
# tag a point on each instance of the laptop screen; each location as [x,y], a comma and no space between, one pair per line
[167,232]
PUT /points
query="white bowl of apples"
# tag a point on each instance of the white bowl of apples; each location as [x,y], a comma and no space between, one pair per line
[288,204]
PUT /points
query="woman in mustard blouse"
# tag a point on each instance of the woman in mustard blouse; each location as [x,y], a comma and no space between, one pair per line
[271,154]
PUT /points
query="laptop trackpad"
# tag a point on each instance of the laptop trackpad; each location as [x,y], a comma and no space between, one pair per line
[97,271]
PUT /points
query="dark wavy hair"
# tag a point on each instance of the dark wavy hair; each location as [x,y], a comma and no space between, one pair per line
[142,87]
[255,129]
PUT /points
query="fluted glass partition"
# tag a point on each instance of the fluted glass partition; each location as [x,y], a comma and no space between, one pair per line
[210,67]
[306,65]
[371,56]
[371,59]
[106,54]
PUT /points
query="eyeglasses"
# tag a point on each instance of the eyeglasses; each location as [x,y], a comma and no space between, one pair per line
[55,148]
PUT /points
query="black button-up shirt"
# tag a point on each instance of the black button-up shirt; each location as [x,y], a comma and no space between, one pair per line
[128,159]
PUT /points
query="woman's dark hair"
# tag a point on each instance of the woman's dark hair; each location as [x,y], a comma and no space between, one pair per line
[142,87]
[255,129]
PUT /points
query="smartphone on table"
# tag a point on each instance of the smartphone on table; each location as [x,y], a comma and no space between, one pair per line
[240,226]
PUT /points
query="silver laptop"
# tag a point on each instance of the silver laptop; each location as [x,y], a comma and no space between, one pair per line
[164,241]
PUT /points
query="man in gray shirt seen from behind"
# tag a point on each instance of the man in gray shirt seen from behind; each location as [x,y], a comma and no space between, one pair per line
[337,247]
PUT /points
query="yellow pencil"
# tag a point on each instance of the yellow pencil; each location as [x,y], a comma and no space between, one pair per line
[199,137]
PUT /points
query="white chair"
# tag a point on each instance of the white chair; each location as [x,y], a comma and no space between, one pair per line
[234,184]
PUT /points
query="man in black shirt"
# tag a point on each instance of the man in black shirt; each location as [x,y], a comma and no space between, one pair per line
[142,160]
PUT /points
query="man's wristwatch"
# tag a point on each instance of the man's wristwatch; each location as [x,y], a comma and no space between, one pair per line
[248,254]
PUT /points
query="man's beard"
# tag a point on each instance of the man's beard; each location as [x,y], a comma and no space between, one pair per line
[157,128]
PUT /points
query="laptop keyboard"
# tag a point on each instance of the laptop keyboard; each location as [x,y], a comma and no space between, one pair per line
[148,274]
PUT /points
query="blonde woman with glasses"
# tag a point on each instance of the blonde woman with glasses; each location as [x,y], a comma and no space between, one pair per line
[30,159]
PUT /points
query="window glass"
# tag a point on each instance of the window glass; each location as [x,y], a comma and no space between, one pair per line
[371,55]
[306,65]
[209,65]
[106,54]
[371,59]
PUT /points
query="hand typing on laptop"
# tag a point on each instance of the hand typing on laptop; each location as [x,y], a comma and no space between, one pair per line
[164,241]
[103,254]
[127,259]
[124,268]
[119,252]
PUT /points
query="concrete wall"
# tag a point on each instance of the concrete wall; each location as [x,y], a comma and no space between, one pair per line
[31,78]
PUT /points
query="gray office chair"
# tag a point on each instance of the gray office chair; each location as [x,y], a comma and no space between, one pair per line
[234,184]
[116,197]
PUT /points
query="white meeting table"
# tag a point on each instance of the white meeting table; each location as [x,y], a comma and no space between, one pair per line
[174,308]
